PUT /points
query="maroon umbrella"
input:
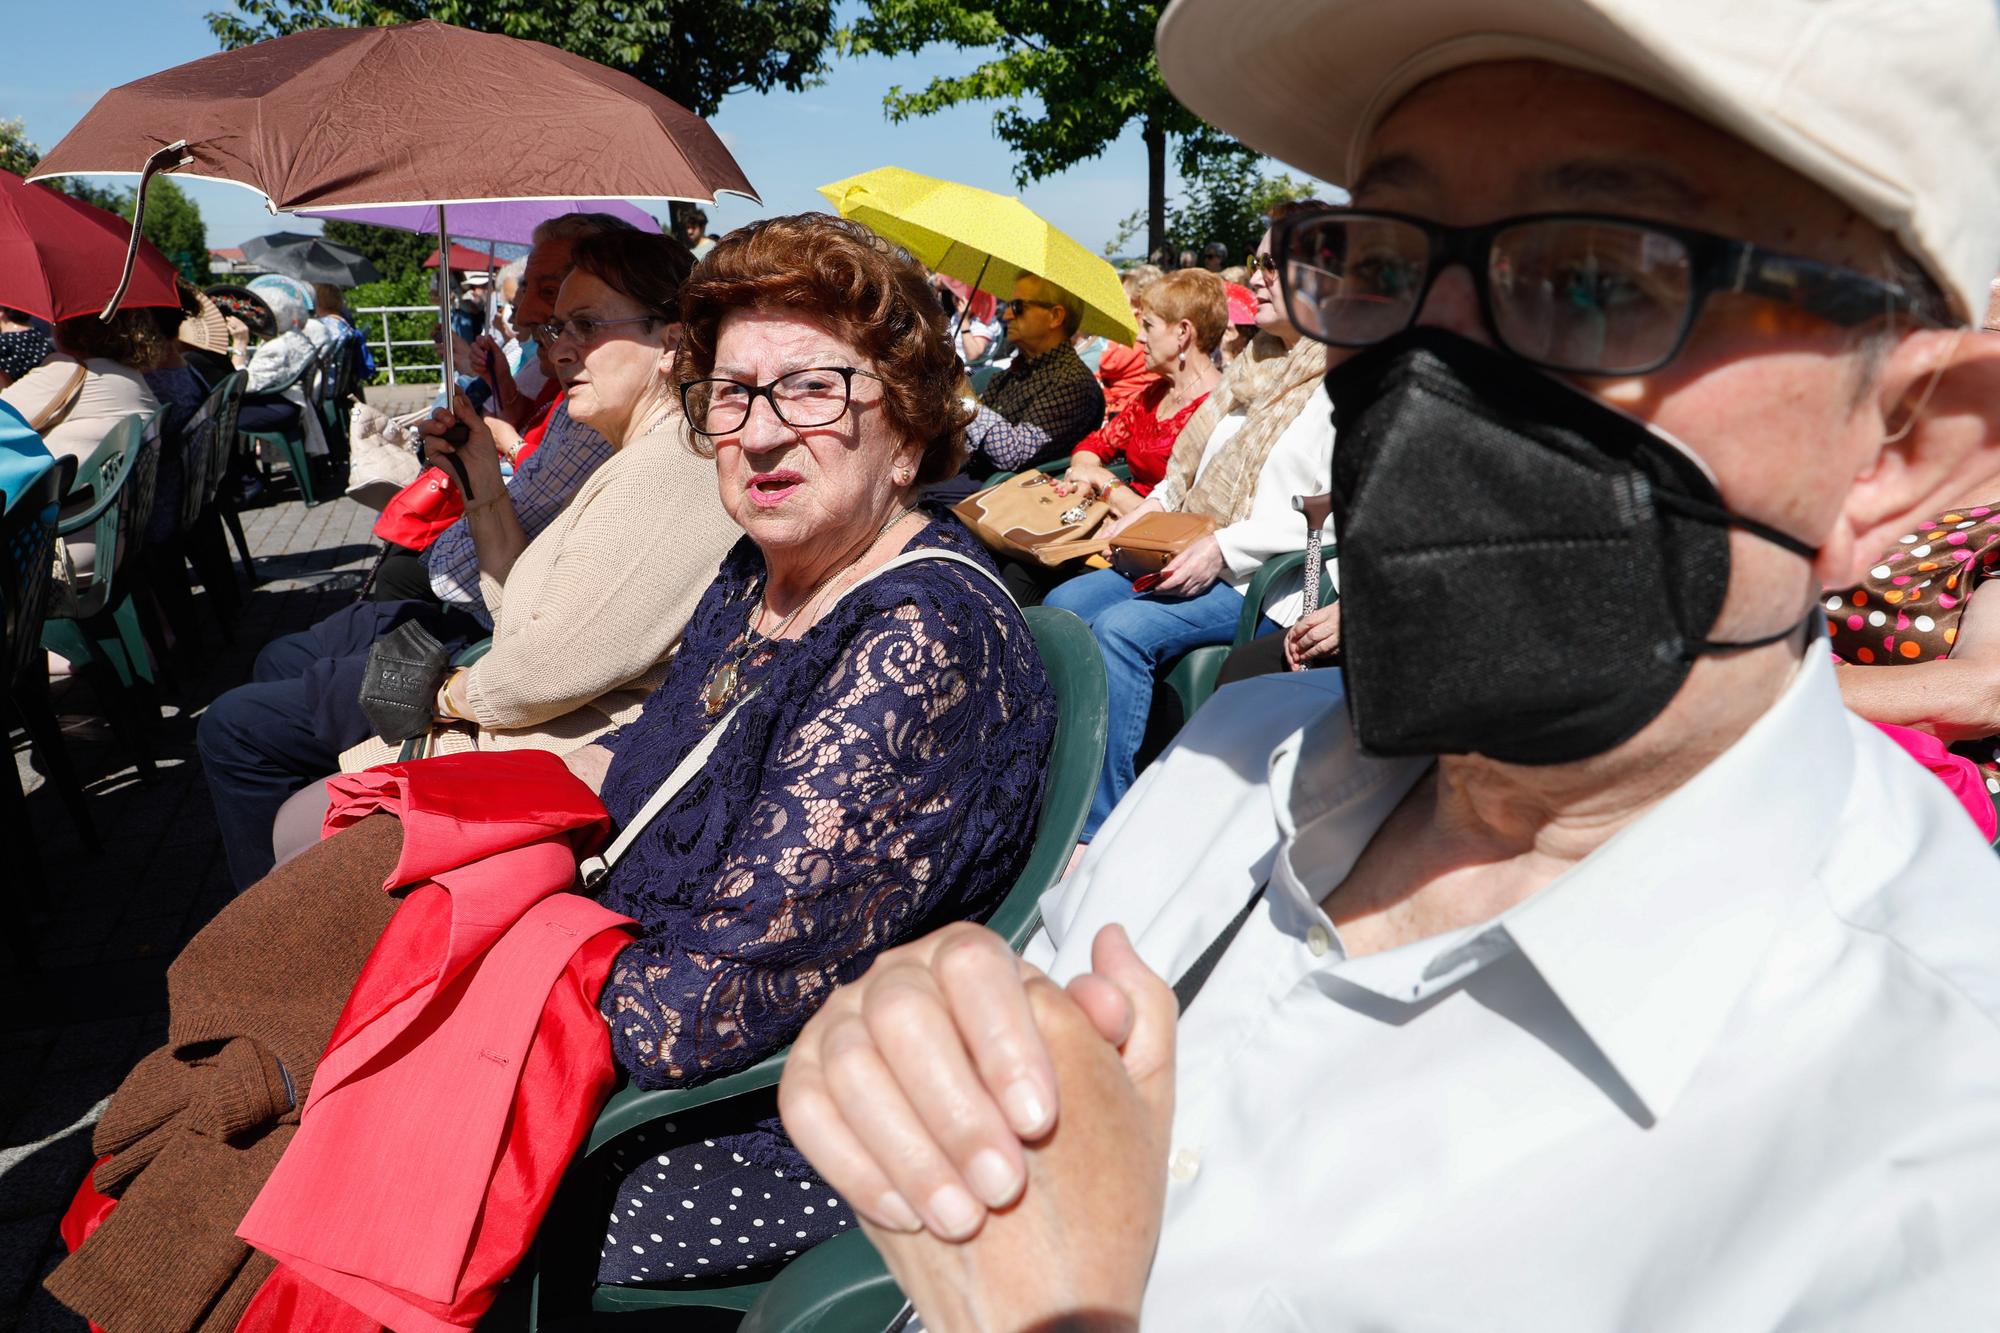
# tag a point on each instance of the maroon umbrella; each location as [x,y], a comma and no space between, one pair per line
[59,257]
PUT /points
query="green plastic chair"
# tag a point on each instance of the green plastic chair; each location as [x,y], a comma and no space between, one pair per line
[340,372]
[841,1286]
[291,441]
[564,1266]
[95,624]
[1192,678]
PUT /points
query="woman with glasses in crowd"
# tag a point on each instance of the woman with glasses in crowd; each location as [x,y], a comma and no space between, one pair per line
[886,727]
[585,615]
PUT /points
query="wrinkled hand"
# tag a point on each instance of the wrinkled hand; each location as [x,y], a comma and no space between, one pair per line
[479,453]
[1194,571]
[1315,636]
[239,332]
[1086,476]
[1076,1249]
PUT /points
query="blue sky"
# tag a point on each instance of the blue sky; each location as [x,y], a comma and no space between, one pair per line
[62,57]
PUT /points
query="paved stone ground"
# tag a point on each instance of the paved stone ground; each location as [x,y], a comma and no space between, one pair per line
[119,917]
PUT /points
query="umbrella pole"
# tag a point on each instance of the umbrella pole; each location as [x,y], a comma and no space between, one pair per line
[959,323]
[458,433]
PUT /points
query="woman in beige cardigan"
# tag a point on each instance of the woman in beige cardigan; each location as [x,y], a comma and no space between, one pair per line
[586,615]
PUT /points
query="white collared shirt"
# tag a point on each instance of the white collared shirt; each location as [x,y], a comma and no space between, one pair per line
[1737,1070]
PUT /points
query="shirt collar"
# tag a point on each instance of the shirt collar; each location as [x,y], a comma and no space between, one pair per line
[1651,940]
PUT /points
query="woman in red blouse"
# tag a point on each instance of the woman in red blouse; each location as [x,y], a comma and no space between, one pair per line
[1181,319]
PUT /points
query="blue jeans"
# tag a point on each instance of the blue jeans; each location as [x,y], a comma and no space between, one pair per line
[1137,633]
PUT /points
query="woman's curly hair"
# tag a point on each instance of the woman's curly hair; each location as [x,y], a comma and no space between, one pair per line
[130,337]
[849,281]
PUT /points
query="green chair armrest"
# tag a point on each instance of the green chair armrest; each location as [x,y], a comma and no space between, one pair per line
[840,1286]
[631,1107]
[472,652]
[1268,573]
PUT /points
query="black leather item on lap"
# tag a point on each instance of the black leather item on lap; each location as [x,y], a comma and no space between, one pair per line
[400,684]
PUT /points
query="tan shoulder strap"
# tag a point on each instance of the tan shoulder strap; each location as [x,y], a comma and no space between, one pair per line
[60,406]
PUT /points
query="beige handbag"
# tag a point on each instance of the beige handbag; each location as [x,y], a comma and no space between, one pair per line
[1024,517]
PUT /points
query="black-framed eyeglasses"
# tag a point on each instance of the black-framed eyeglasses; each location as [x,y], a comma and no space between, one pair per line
[1576,293]
[817,396]
[585,331]
[1268,263]
[1018,307]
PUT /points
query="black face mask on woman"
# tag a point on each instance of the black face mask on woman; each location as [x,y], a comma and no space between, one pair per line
[1525,572]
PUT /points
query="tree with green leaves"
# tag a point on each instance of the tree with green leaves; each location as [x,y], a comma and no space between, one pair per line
[1228,203]
[694,51]
[173,223]
[17,153]
[1076,73]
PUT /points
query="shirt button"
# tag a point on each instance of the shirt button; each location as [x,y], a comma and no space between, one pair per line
[1318,941]
[1185,1165]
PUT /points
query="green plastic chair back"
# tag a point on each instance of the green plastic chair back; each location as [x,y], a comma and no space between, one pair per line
[207,435]
[120,474]
[113,477]
[565,1262]
[291,441]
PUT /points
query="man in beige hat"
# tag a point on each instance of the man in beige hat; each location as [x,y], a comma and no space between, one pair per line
[1571,959]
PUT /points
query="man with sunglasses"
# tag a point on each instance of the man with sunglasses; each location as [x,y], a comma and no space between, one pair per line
[1545,967]
[1038,408]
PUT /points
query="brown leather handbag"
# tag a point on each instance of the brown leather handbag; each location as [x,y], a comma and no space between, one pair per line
[1025,518]
[1150,544]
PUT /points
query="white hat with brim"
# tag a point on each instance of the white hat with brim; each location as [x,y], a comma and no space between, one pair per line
[1891,106]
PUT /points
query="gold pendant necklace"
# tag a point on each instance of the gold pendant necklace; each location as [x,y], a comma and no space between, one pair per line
[718,689]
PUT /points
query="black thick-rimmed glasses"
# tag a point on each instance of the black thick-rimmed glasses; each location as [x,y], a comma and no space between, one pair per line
[817,396]
[1018,307]
[1576,293]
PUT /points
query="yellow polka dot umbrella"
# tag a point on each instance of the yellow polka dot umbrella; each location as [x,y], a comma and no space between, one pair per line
[987,240]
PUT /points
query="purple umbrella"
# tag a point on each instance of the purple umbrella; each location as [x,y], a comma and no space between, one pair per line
[512,221]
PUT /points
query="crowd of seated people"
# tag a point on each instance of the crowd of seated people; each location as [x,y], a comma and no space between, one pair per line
[1568,885]
[877,718]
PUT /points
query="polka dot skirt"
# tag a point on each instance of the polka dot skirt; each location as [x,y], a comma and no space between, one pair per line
[689,1210]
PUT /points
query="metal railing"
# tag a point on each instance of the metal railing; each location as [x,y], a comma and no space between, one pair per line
[388,343]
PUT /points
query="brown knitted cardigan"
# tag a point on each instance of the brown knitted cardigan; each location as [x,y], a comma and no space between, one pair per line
[199,1124]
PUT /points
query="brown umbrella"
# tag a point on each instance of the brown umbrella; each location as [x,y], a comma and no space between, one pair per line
[404,115]
[358,117]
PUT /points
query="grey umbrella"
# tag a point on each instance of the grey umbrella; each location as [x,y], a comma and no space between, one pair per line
[310,259]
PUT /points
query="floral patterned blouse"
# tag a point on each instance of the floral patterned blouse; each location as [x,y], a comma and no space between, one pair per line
[1909,606]
[883,780]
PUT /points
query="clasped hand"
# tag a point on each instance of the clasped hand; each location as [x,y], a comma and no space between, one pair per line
[1003,1139]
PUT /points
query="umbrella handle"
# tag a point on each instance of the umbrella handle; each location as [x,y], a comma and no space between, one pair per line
[154,163]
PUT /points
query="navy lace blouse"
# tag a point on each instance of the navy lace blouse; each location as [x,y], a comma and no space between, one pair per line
[883,780]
